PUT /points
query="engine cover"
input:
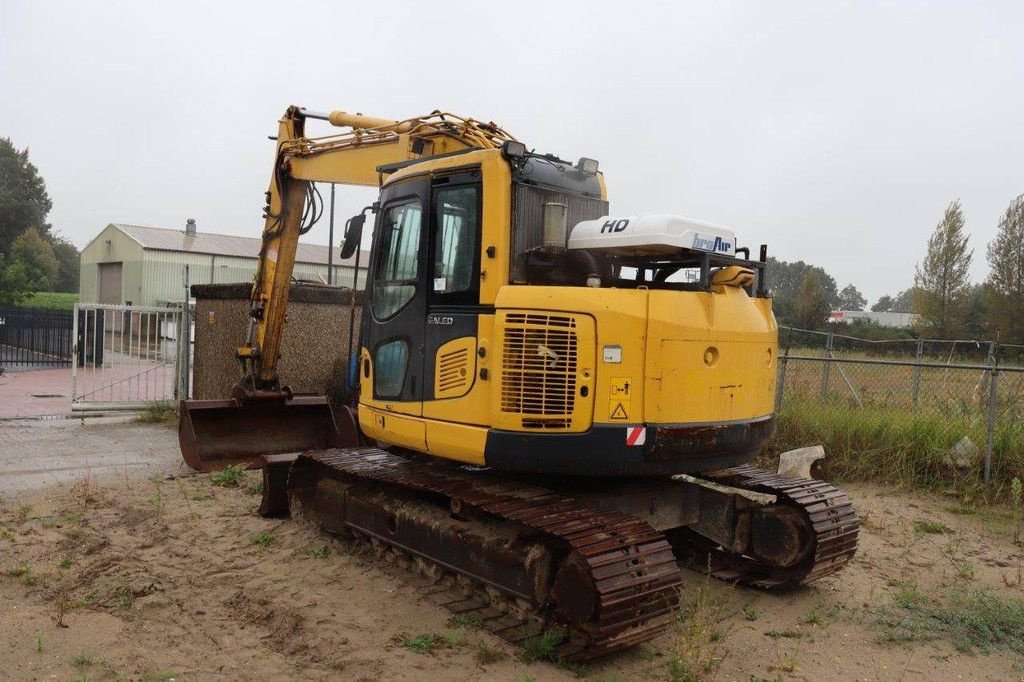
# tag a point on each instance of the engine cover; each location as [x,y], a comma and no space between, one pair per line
[652,234]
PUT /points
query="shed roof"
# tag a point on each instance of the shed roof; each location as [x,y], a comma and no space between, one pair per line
[170,239]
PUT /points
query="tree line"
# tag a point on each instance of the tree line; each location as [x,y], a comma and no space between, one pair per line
[33,255]
[947,304]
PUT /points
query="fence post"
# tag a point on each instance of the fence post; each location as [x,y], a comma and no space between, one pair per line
[825,367]
[917,371]
[993,394]
[780,385]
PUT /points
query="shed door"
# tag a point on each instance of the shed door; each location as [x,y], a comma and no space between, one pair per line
[110,283]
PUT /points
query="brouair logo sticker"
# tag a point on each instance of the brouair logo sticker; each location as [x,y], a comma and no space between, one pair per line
[717,244]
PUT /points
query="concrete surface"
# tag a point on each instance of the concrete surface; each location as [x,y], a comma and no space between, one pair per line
[36,393]
[41,452]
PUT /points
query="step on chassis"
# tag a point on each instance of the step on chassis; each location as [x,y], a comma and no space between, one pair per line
[519,559]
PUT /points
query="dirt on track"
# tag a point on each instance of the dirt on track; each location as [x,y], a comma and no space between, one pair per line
[175,577]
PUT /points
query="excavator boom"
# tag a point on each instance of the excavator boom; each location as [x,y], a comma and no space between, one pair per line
[262,416]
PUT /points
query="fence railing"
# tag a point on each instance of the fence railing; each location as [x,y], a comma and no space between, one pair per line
[971,392]
[35,337]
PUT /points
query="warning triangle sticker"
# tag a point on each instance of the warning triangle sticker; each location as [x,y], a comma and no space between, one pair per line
[619,412]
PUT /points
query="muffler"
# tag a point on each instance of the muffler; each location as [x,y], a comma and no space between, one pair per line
[214,434]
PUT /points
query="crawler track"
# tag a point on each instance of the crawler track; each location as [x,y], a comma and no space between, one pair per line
[829,515]
[616,580]
[518,559]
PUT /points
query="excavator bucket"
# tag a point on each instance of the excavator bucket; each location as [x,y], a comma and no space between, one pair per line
[214,434]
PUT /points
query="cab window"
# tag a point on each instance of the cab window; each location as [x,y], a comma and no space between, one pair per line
[456,227]
[394,280]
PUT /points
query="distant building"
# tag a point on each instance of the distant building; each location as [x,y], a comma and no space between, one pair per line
[145,265]
[888,319]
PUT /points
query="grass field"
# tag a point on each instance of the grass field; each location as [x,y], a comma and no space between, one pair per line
[52,300]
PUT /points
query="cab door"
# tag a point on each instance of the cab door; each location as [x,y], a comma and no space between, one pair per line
[394,319]
[453,302]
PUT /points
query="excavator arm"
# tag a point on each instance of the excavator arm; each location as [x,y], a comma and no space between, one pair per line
[262,417]
[352,158]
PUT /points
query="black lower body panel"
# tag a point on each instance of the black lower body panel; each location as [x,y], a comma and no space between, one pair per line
[620,451]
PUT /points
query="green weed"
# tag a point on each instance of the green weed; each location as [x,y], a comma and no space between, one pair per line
[972,621]
[229,477]
[424,644]
[464,620]
[39,643]
[255,488]
[790,633]
[541,647]
[750,613]
[264,539]
[317,551]
[928,527]
[695,655]
[159,413]
[124,597]
[910,448]
[160,675]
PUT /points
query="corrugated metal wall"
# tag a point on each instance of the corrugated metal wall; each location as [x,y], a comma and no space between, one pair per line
[110,246]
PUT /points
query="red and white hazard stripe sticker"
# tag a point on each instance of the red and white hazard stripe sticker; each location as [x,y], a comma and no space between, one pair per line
[636,435]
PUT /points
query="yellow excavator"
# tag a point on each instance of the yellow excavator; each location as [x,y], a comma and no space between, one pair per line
[553,406]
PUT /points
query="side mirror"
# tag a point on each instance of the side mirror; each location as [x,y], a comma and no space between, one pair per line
[353,235]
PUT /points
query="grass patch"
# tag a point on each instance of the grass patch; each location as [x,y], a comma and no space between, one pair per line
[228,477]
[696,653]
[51,300]
[750,613]
[465,620]
[972,621]
[264,540]
[160,675]
[928,527]
[898,445]
[790,633]
[255,488]
[542,646]
[427,643]
[317,551]
[124,597]
[159,413]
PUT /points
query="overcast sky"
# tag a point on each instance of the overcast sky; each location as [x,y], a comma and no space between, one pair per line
[836,132]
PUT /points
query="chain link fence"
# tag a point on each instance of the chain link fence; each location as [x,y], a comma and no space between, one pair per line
[962,400]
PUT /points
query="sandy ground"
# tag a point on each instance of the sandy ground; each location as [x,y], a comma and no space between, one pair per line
[135,577]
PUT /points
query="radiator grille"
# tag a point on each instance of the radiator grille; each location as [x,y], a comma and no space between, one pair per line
[538,370]
[453,370]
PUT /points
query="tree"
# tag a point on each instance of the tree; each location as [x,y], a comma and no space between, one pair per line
[883,305]
[904,301]
[13,282]
[851,299]
[35,255]
[24,202]
[69,263]
[941,278]
[976,318]
[784,281]
[812,304]
[1005,283]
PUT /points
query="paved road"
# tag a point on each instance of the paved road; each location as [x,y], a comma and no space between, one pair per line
[37,453]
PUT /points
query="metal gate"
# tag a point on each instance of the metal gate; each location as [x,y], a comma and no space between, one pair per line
[31,337]
[126,356]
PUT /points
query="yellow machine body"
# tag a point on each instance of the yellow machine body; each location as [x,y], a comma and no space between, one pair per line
[554,377]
